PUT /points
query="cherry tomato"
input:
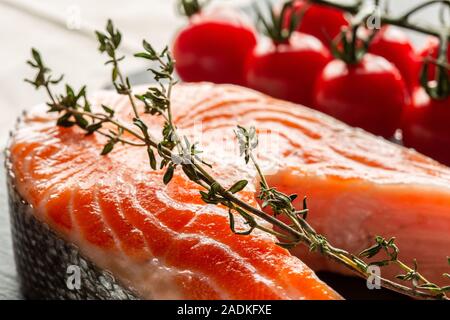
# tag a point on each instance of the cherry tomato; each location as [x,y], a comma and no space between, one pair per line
[392,44]
[431,49]
[370,94]
[323,22]
[426,126]
[213,47]
[287,70]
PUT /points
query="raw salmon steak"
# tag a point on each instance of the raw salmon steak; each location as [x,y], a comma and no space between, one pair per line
[164,242]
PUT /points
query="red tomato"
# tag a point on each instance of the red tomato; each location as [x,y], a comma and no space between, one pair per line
[431,49]
[287,70]
[426,126]
[323,22]
[392,44]
[370,94]
[213,47]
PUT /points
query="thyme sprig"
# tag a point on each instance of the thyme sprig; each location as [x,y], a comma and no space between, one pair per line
[74,109]
[275,27]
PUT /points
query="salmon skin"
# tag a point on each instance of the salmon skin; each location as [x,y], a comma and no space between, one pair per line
[42,259]
[164,242]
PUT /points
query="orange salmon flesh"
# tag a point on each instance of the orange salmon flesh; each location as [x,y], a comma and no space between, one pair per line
[165,243]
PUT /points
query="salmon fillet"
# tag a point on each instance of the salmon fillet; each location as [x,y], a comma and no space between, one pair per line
[161,241]
[165,243]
